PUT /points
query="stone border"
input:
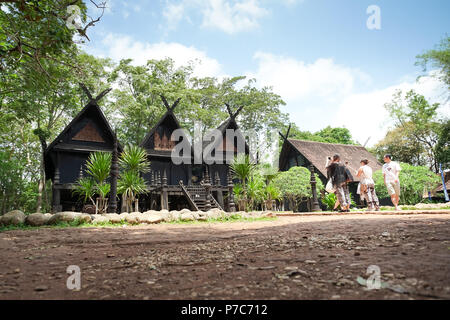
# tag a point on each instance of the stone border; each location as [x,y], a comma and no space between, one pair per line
[17,217]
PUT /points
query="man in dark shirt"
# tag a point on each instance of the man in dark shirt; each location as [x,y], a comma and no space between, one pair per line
[340,176]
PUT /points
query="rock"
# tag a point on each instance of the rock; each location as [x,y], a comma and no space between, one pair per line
[123,216]
[41,288]
[187,216]
[113,217]
[196,214]
[343,282]
[65,216]
[166,216]
[215,213]
[100,219]
[386,234]
[85,218]
[310,261]
[268,214]
[185,211]
[202,216]
[174,215]
[14,217]
[152,218]
[133,218]
[37,219]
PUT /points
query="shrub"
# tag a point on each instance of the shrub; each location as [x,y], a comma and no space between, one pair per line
[414,180]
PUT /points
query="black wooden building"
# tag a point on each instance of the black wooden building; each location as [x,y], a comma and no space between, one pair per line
[172,185]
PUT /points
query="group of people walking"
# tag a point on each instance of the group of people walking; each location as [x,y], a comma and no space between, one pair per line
[338,175]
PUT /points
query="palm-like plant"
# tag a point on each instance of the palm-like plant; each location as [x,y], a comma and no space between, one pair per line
[98,167]
[134,158]
[272,193]
[242,168]
[85,188]
[133,161]
[130,185]
[255,191]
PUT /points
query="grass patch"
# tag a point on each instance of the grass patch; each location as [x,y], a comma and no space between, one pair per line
[79,224]
[233,218]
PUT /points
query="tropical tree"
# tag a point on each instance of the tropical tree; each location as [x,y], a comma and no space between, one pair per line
[438,58]
[133,162]
[295,185]
[414,182]
[419,121]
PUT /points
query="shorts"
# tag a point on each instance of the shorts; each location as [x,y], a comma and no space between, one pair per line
[393,188]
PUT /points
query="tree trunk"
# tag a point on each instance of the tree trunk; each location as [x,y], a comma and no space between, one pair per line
[41,187]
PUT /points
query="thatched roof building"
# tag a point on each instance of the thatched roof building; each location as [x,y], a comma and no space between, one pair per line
[305,153]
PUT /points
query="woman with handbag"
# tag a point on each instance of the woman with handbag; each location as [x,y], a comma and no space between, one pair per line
[367,188]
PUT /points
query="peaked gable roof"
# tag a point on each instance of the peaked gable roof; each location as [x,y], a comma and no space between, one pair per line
[230,123]
[92,111]
[172,121]
[317,152]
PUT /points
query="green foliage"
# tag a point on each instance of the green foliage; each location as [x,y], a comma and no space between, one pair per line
[414,180]
[295,185]
[242,168]
[417,130]
[443,146]
[33,33]
[327,135]
[438,58]
[134,158]
[329,200]
[85,188]
[131,184]
[99,165]
[133,162]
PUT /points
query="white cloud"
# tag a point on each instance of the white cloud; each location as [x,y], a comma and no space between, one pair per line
[229,16]
[364,113]
[324,93]
[173,13]
[119,47]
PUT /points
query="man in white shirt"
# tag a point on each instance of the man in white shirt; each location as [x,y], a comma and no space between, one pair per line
[391,170]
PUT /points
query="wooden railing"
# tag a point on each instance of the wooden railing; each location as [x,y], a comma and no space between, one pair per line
[188,196]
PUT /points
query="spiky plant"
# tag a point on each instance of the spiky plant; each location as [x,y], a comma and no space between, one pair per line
[134,158]
[130,185]
[98,168]
[99,165]
[133,162]
[85,188]
[242,168]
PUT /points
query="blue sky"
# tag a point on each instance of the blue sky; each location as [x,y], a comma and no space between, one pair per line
[318,55]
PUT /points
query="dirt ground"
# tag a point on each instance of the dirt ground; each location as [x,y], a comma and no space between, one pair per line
[313,257]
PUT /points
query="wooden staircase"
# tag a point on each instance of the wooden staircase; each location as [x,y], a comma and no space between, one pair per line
[196,196]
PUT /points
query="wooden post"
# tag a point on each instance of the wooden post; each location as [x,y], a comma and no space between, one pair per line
[231,205]
[207,185]
[56,192]
[114,174]
[315,203]
[164,194]
[219,190]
